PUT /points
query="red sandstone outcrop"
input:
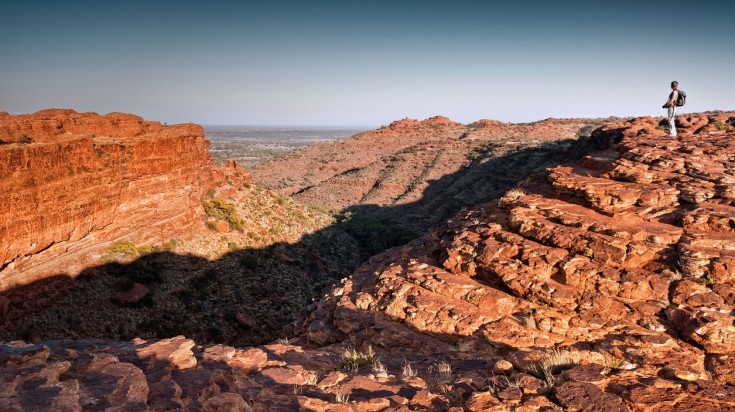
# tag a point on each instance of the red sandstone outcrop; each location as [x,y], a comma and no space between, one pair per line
[71,183]
[605,285]
[610,280]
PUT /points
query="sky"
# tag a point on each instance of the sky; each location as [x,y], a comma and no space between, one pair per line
[365,63]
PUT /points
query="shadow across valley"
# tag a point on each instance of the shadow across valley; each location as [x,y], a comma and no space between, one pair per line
[487,176]
[246,297]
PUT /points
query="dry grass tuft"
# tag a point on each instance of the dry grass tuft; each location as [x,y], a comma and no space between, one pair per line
[441,377]
[552,363]
[614,363]
[378,367]
[341,397]
[511,196]
[494,389]
[283,341]
[408,371]
[311,380]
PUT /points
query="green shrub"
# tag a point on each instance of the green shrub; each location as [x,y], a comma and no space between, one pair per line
[170,245]
[276,230]
[25,139]
[723,126]
[220,210]
[373,235]
[217,208]
[408,150]
[146,249]
[123,248]
[235,222]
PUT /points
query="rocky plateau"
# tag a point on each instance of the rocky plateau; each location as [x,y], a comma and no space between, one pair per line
[602,284]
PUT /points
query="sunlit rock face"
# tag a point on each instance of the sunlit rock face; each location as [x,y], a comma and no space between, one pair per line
[70,183]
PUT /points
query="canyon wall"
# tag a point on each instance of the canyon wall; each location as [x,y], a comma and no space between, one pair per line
[599,285]
[71,183]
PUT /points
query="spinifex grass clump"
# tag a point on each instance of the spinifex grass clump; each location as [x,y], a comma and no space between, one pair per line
[124,248]
[352,358]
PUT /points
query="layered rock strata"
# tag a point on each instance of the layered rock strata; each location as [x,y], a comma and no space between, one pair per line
[600,286]
[71,183]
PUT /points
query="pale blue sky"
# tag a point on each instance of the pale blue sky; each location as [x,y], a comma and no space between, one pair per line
[364,63]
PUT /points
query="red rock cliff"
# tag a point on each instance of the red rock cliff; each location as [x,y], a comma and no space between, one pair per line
[71,183]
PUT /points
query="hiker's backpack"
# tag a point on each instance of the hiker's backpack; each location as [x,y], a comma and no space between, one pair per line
[682,99]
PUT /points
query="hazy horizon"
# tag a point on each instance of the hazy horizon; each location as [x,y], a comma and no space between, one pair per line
[291,126]
[289,63]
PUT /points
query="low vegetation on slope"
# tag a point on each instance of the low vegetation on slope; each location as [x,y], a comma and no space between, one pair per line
[416,174]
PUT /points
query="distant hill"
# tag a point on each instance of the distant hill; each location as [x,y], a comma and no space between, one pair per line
[419,173]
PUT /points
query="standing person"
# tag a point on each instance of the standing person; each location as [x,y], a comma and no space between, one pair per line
[671,105]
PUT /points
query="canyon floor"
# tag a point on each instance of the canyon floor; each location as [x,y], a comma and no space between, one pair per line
[600,284]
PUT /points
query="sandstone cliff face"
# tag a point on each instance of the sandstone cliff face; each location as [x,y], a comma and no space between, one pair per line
[603,285]
[420,172]
[70,183]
